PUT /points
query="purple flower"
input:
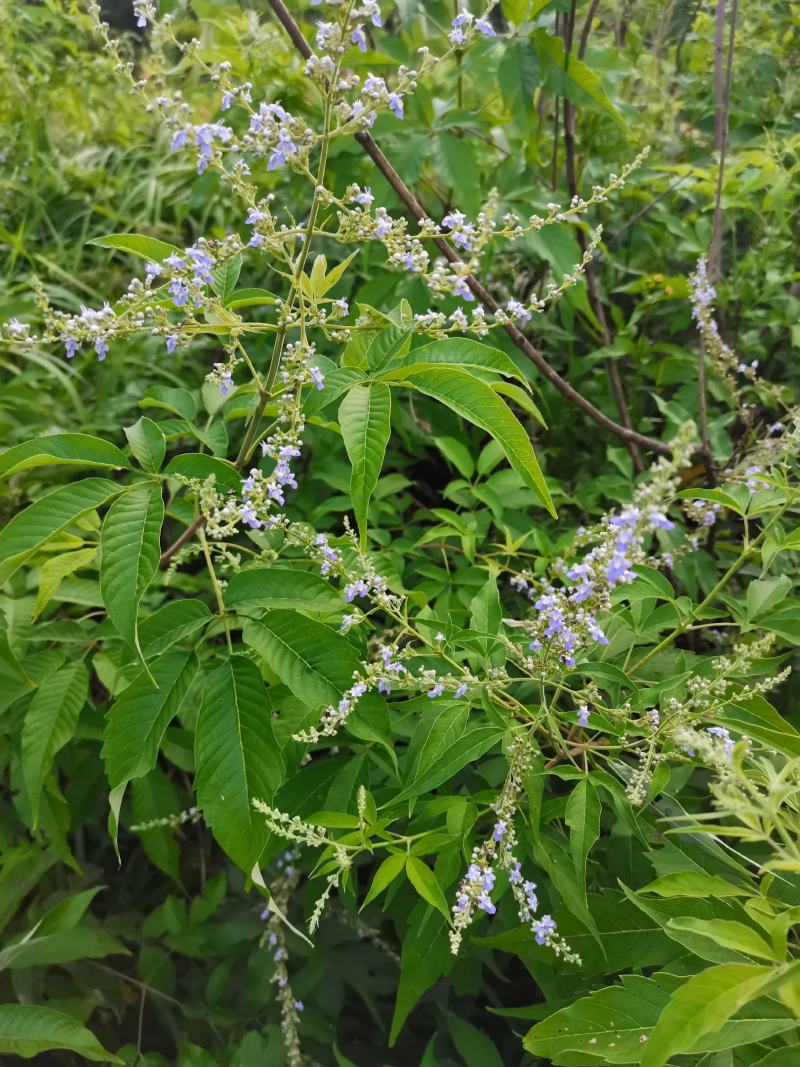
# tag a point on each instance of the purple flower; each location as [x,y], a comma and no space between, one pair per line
[358,37]
[485,902]
[396,105]
[101,348]
[583,715]
[227,100]
[172,343]
[543,929]
[436,691]
[178,140]
[461,690]
[482,26]
[225,382]
[499,831]
[70,344]
[317,377]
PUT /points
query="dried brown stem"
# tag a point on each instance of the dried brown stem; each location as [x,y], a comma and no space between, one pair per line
[408,198]
[722,96]
[614,378]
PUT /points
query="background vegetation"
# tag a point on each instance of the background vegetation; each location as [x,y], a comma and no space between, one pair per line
[155,938]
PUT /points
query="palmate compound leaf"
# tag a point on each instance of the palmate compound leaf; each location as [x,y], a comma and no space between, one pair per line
[50,722]
[129,554]
[31,528]
[237,758]
[27,1030]
[477,402]
[365,421]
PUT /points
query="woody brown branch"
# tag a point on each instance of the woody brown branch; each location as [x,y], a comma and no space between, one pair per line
[407,197]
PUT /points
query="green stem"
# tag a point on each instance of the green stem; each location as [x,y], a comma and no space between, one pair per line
[749,551]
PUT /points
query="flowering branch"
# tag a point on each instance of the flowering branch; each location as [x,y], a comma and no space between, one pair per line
[626,433]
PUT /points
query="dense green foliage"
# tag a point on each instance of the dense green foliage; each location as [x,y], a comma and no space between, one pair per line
[284,749]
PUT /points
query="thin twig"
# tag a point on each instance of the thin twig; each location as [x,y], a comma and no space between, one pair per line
[722,92]
[408,198]
[612,369]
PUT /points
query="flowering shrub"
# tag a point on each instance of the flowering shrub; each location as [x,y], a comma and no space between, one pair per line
[511,761]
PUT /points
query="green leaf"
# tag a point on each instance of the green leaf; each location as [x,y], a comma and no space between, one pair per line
[764,595]
[693,884]
[281,587]
[129,553]
[608,1024]
[566,75]
[424,881]
[313,660]
[365,419]
[31,528]
[225,278]
[582,816]
[477,402]
[199,465]
[27,1030]
[171,623]
[72,449]
[425,958]
[63,946]
[147,444]
[515,10]
[245,298]
[384,876]
[55,569]
[138,245]
[154,797]
[457,453]
[237,759]
[715,496]
[521,398]
[518,77]
[50,723]
[727,933]
[702,1005]
[448,757]
[138,719]
[178,401]
[759,719]
[337,383]
[458,352]
[474,1047]
[387,347]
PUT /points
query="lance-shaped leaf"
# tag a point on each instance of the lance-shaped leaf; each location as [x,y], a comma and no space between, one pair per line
[147,444]
[74,449]
[477,402]
[129,554]
[237,758]
[458,352]
[364,416]
[313,660]
[28,1029]
[29,529]
[137,244]
[50,722]
[281,587]
[702,1005]
[138,720]
[582,816]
